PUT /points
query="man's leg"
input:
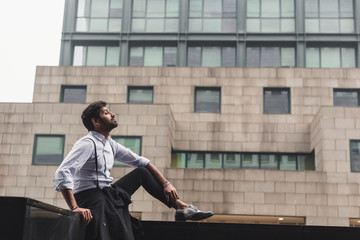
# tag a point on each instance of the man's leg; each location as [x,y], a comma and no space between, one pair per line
[142,177]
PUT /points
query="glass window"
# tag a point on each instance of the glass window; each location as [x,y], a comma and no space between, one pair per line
[99,15]
[140,94]
[207,99]
[355,155]
[270,57]
[287,162]
[213,160]
[330,57]
[195,160]
[73,94]
[232,160]
[277,100]
[212,16]
[134,143]
[48,149]
[270,16]
[155,16]
[211,57]
[346,97]
[96,56]
[153,56]
[329,16]
[250,161]
[178,160]
[268,161]
[278,161]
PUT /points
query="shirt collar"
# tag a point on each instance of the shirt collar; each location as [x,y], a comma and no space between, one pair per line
[99,137]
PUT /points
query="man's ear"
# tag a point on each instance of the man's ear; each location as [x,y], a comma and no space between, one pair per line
[95,122]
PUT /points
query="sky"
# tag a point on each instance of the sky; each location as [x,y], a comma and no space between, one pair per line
[30,36]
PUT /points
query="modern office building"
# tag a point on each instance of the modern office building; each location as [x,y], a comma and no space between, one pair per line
[250,107]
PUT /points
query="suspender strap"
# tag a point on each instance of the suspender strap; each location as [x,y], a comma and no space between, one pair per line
[96,165]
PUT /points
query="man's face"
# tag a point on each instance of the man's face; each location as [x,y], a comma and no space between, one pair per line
[107,119]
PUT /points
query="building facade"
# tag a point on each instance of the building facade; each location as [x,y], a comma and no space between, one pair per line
[251,108]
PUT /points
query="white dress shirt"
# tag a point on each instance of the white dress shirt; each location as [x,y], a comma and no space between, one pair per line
[78,171]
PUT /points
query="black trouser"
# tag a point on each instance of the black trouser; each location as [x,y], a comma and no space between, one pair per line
[141,177]
[109,206]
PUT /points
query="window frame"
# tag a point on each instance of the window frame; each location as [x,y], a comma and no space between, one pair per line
[197,88]
[357,90]
[85,58]
[88,17]
[184,162]
[132,87]
[64,87]
[351,155]
[278,89]
[146,18]
[34,154]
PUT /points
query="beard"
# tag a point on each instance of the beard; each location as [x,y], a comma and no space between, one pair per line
[108,125]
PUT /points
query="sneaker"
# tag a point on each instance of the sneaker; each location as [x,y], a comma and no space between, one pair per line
[191,213]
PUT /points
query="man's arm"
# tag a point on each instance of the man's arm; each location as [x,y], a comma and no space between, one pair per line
[71,202]
[169,190]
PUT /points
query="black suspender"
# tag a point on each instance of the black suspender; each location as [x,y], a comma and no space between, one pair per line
[96,165]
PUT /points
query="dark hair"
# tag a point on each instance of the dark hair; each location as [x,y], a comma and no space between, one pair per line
[92,111]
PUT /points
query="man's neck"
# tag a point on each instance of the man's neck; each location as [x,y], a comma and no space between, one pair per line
[106,134]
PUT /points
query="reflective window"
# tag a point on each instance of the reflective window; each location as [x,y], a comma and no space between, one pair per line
[270,16]
[232,160]
[211,57]
[48,149]
[195,160]
[99,15]
[134,143]
[207,99]
[140,95]
[250,161]
[329,16]
[73,94]
[96,56]
[212,16]
[277,100]
[213,160]
[155,16]
[330,57]
[268,161]
[153,56]
[270,57]
[287,162]
[355,155]
[225,160]
[346,97]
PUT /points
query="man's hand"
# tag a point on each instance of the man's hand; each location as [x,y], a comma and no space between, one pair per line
[85,214]
[170,193]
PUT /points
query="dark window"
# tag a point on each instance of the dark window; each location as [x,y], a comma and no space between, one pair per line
[73,94]
[276,100]
[140,94]
[346,97]
[207,99]
[48,149]
[134,143]
[355,155]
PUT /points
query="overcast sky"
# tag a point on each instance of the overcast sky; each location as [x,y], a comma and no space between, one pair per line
[30,36]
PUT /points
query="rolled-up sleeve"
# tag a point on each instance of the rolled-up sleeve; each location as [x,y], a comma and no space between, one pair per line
[68,169]
[125,155]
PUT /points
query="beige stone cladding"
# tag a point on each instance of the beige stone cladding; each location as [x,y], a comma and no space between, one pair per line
[327,196]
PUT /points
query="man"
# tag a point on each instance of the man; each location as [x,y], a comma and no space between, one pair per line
[84,180]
